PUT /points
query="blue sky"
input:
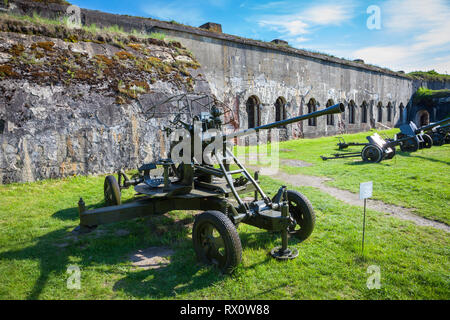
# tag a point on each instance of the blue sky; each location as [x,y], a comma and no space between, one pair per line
[412,34]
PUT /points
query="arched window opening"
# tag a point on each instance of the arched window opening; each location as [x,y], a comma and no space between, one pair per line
[389,112]
[312,107]
[330,117]
[364,112]
[351,112]
[254,116]
[280,109]
[380,112]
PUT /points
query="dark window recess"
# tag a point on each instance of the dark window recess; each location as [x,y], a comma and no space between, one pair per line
[351,112]
[389,110]
[364,113]
[254,116]
[380,114]
[2,126]
[330,117]
[312,107]
[280,109]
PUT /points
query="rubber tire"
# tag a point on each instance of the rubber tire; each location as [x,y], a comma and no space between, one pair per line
[375,148]
[411,145]
[227,231]
[111,186]
[306,212]
[428,141]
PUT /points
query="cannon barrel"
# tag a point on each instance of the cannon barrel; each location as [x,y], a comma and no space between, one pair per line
[337,108]
[431,126]
[445,127]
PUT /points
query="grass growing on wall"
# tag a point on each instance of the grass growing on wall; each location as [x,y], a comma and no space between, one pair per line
[426,96]
[92,28]
[429,75]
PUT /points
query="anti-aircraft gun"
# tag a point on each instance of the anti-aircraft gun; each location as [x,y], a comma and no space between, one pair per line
[418,138]
[191,184]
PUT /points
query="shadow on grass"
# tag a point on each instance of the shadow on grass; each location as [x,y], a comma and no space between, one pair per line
[56,251]
[181,277]
[407,154]
[72,213]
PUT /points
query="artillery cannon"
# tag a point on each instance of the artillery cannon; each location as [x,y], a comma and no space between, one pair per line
[419,139]
[191,184]
[376,150]
[439,135]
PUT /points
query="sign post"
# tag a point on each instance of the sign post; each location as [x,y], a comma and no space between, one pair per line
[365,191]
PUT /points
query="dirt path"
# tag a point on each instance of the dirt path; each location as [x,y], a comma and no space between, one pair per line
[353,199]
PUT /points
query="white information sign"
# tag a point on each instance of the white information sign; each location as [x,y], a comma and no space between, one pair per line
[365,190]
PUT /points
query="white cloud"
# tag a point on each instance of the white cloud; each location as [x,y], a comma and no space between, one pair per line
[301,22]
[328,14]
[382,55]
[421,31]
[291,27]
[300,40]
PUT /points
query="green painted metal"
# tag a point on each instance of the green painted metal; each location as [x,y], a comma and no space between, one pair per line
[195,186]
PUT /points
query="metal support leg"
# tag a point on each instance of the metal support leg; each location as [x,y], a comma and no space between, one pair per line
[283,252]
[83,228]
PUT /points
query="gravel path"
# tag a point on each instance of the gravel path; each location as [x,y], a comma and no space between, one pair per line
[353,199]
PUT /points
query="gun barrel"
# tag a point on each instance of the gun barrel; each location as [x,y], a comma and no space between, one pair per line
[337,108]
[432,125]
[445,127]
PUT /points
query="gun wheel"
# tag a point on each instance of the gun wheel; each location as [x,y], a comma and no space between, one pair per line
[216,241]
[111,191]
[427,141]
[372,153]
[410,145]
[303,214]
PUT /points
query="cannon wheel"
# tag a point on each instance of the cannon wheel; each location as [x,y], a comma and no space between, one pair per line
[111,191]
[372,153]
[216,241]
[303,214]
[428,141]
[410,145]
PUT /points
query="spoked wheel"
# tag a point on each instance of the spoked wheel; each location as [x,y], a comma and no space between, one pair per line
[427,141]
[216,241]
[372,153]
[303,214]
[410,145]
[111,191]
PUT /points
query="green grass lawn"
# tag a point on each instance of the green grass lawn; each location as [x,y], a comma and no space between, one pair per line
[37,246]
[417,180]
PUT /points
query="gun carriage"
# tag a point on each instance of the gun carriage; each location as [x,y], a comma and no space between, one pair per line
[213,188]
[440,134]
[419,137]
[376,150]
